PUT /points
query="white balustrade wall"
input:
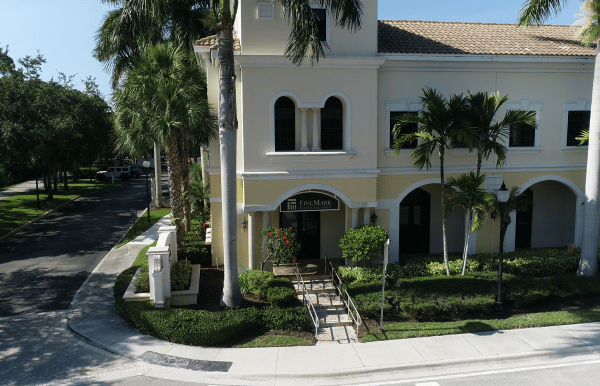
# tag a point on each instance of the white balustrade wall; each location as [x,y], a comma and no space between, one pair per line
[160,261]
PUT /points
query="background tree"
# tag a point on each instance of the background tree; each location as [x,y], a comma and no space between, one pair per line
[535,12]
[442,125]
[465,191]
[162,99]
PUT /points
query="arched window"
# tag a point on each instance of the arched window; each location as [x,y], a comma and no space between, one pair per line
[332,125]
[285,124]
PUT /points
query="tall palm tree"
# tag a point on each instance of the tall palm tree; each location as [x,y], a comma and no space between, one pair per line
[442,125]
[533,13]
[492,135]
[163,99]
[304,42]
[466,191]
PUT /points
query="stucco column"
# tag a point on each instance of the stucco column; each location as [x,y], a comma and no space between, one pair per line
[354,217]
[316,134]
[367,216]
[304,132]
[511,231]
[265,225]
[251,241]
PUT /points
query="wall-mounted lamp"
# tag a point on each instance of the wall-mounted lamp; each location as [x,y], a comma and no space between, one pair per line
[373,218]
[244,223]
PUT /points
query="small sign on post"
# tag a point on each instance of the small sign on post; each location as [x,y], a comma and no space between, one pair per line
[386,253]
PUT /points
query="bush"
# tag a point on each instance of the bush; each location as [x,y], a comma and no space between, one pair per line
[287,319]
[282,245]
[142,283]
[281,293]
[181,276]
[255,282]
[363,243]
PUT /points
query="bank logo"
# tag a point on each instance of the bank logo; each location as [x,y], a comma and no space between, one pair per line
[292,204]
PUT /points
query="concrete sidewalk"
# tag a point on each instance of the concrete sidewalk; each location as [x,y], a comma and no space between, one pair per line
[92,317]
[27,187]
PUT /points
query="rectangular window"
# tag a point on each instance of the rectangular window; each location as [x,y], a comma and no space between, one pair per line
[265,11]
[576,122]
[321,19]
[408,129]
[522,135]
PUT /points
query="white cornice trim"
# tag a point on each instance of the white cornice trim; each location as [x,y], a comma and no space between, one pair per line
[310,156]
[409,170]
[308,174]
[488,58]
[276,61]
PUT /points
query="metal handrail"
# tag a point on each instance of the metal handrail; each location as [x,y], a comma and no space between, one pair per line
[305,299]
[346,299]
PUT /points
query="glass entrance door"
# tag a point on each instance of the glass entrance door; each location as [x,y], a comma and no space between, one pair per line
[307,226]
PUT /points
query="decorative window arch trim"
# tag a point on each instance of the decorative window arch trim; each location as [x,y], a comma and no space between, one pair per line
[288,94]
[347,116]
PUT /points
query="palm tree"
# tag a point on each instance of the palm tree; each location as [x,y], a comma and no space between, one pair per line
[466,191]
[304,43]
[162,100]
[442,125]
[535,12]
[491,136]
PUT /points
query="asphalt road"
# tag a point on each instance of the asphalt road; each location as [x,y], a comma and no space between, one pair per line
[43,266]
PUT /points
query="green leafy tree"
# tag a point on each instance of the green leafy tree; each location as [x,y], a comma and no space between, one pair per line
[535,12]
[465,191]
[363,243]
[442,125]
[161,100]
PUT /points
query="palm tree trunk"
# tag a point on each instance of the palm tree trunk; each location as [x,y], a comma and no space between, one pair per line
[588,265]
[174,157]
[157,176]
[467,238]
[231,297]
[444,239]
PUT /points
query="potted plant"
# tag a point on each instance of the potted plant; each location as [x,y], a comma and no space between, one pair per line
[282,245]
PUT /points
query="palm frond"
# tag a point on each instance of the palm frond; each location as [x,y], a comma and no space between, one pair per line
[534,12]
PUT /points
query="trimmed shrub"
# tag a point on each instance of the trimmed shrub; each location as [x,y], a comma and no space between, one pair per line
[142,283]
[281,293]
[363,243]
[287,319]
[181,276]
[255,282]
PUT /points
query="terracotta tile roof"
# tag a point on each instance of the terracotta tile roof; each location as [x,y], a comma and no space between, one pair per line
[431,37]
[211,42]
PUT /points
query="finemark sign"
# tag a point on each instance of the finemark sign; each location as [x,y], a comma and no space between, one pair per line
[306,202]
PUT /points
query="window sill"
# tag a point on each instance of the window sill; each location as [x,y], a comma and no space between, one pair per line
[390,152]
[310,156]
[524,150]
[575,148]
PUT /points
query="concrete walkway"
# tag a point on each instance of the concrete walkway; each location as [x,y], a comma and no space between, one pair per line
[27,187]
[92,318]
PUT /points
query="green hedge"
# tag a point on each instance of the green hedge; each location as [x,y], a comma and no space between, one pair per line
[255,282]
[287,319]
[281,293]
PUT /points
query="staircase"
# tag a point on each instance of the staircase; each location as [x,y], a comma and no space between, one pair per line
[335,325]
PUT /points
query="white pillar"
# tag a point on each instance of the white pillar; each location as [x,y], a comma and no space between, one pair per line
[204,167]
[354,217]
[316,134]
[511,230]
[251,241]
[265,225]
[304,132]
[367,216]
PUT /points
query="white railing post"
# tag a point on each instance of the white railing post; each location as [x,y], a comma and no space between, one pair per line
[160,274]
[167,235]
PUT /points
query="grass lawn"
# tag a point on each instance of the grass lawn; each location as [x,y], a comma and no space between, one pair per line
[142,225]
[20,209]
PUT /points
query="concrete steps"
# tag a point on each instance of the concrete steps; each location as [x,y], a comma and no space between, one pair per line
[335,325]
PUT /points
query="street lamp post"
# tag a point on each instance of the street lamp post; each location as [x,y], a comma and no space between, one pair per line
[146,166]
[502,195]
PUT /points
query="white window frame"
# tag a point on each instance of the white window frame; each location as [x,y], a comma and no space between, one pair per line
[268,4]
[526,105]
[327,21]
[578,105]
[398,105]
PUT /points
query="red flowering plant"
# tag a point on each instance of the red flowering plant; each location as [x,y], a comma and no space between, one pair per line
[282,245]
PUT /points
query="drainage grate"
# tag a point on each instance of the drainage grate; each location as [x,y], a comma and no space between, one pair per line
[184,363]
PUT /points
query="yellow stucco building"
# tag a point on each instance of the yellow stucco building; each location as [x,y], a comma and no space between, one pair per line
[313,143]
